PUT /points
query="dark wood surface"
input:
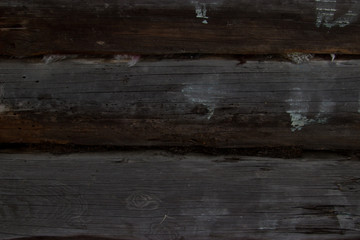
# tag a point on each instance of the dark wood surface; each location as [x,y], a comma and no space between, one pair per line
[178,26]
[210,102]
[158,195]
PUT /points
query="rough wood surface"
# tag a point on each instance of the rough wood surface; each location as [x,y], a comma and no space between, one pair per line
[215,103]
[178,26]
[161,196]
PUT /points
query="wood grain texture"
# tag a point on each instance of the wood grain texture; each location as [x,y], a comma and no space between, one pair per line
[178,26]
[158,195]
[213,103]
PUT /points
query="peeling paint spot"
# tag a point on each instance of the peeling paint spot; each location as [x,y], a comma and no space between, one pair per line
[298,121]
[131,60]
[200,11]
[53,58]
[326,10]
[47,59]
[299,58]
[210,106]
[203,96]
[299,107]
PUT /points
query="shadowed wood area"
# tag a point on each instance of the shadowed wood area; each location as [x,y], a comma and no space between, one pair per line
[209,102]
[178,26]
[158,195]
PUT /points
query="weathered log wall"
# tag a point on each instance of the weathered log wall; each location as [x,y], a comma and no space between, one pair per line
[209,102]
[178,26]
[216,101]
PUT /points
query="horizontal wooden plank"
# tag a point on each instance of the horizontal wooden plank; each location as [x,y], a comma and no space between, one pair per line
[178,26]
[159,195]
[208,102]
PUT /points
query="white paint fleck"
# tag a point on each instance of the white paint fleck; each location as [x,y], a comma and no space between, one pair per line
[201,11]
[326,10]
[333,56]
[101,43]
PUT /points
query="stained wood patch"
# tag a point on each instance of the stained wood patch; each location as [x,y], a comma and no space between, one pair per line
[178,26]
[158,195]
[215,103]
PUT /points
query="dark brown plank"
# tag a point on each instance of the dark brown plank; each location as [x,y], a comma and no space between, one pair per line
[158,195]
[214,103]
[178,26]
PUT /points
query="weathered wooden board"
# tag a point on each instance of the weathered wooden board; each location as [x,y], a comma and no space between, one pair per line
[158,195]
[178,26]
[215,103]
